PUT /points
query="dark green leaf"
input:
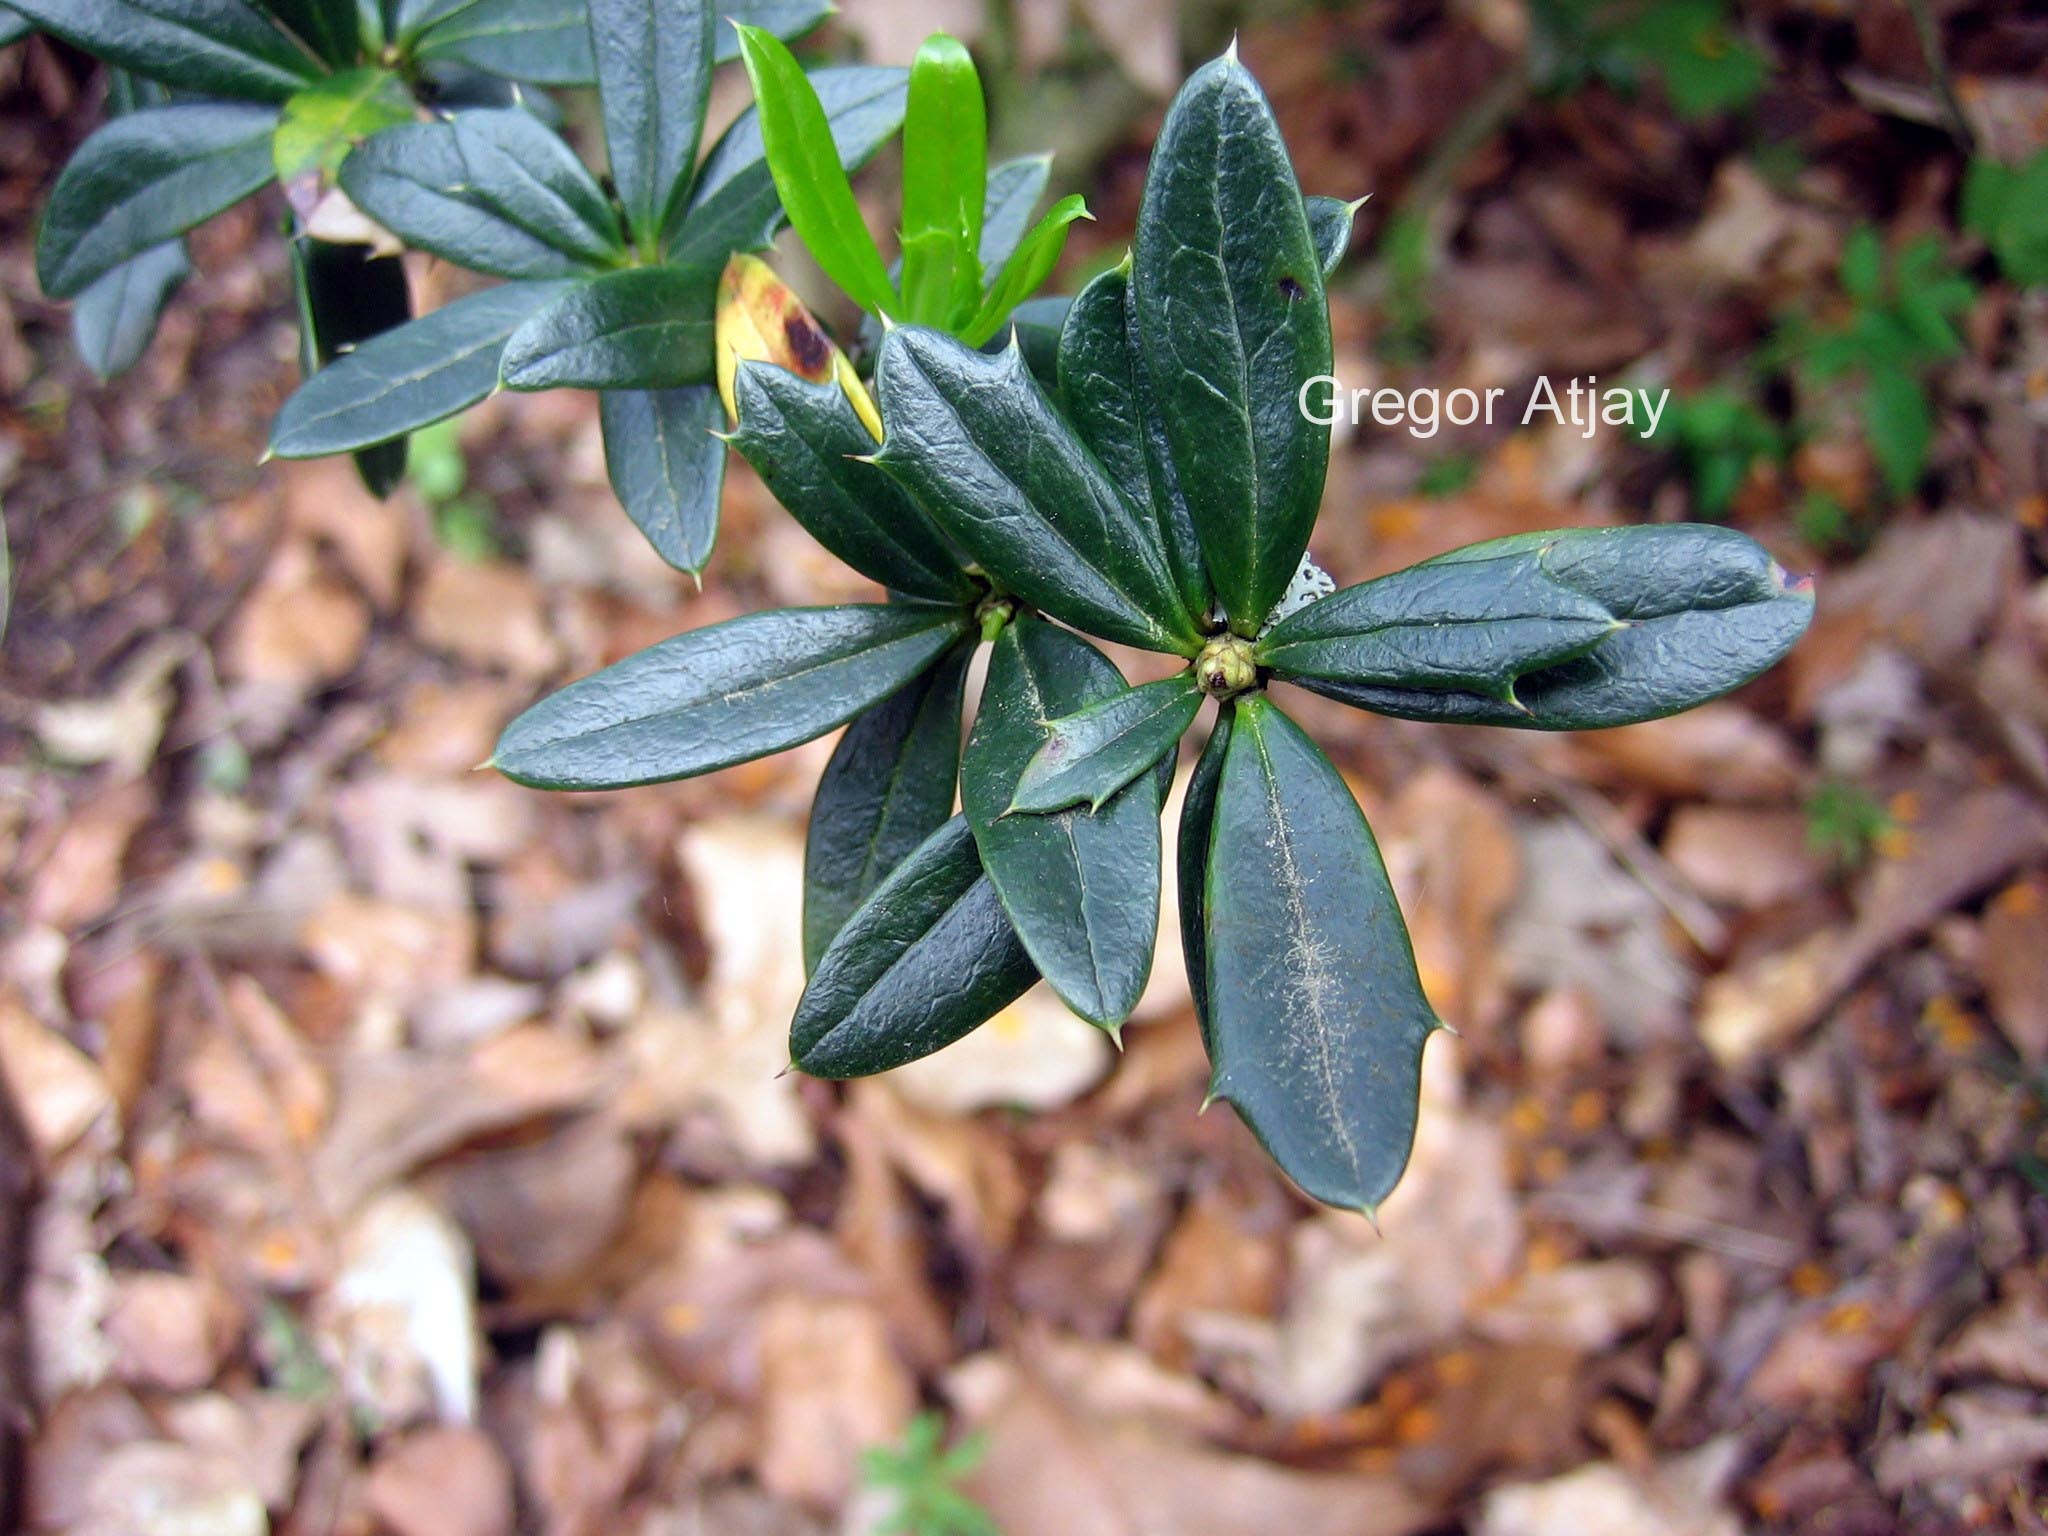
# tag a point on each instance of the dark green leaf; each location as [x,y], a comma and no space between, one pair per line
[329,117]
[945,179]
[803,439]
[977,442]
[888,787]
[213,47]
[667,467]
[1029,265]
[1473,620]
[13,28]
[653,79]
[785,18]
[1900,425]
[1231,319]
[1329,226]
[333,29]
[713,697]
[492,190]
[1191,859]
[1090,755]
[347,295]
[1014,188]
[926,959]
[804,158]
[1082,888]
[1317,1018]
[146,178]
[546,42]
[115,316]
[408,378]
[733,205]
[1706,609]
[644,328]
[1106,398]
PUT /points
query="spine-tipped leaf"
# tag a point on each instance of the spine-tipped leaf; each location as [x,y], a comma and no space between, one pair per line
[1103,386]
[145,178]
[1090,755]
[1316,1015]
[805,441]
[1231,317]
[1082,888]
[666,466]
[1029,265]
[411,377]
[1698,611]
[927,958]
[977,442]
[888,787]
[726,694]
[643,328]
[1329,226]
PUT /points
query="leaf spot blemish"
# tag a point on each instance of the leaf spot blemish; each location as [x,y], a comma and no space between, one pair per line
[1291,289]
[808,346]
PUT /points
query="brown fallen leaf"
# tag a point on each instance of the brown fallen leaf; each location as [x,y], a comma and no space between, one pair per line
[325,499]
[57,1088]
[2015,966]
[442,1481]
[1979,1435]
[1589,1306]
[1745,858]
[80,876]
[490,615]
[168,1330]
[300,628]
[1680,1497]
[831,1386]
[1719,752]
[543,1209]
[2009,1343]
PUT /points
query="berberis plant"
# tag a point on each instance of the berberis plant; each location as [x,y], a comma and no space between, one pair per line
[1161,496]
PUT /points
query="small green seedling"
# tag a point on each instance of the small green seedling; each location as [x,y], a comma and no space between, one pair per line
[1159,494]
[951,276]
[1692,46]
[1719,437]
[923,1478]
[2007,207]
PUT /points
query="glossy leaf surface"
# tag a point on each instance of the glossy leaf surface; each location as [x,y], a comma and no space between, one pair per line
[928,957]
[1090,755]
[1191,861]
[1028,266]
[545,42]
[1704,610]
[642,328]
[709,698]
[666,466]
[888,787]
[144,178]
[653,79]
[322,123]
[1329,226]
[1228,291]
[977,442]
[803,439]
[1081,888]
[1316,1015]
[213,47]
[408,378]
[945,176]
[114,318]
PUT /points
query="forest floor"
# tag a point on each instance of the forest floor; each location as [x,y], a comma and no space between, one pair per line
[413,1150]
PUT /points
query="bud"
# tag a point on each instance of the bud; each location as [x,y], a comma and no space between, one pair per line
[1225,667]
[760,319]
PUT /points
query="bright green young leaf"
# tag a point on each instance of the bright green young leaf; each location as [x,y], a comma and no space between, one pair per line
[145,178]
[888,787]
[322,123]
[1474,620]
[1231,318]
[407,378]
[976,441]
[805,163]
[1197,820]
[945,180]
[114,318]
[210,47]
[1029,265]
[666,466]
[653,80]
[1316,1014]
[348,295]
[733,205]
[1103,387]
[1705,610]
[1081,888]
[725,694]
[928,957]
[643,328]
[805,441]
[1090,755]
